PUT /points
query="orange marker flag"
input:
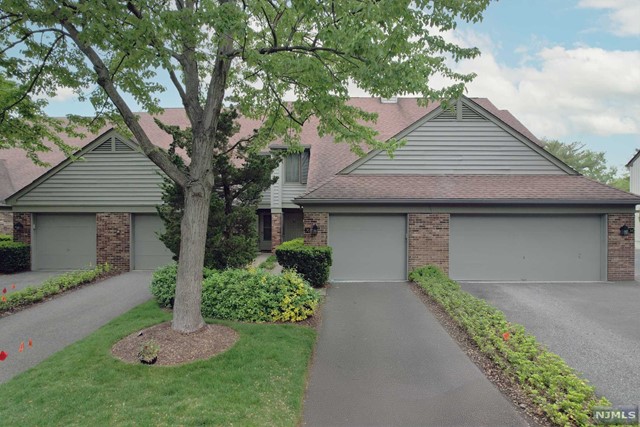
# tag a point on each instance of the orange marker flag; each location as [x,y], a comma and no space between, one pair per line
[13,286]
[3,355]
[21,349]
[30,343]
[506,336]
[4,299]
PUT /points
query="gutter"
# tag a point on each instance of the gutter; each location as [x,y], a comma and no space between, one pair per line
[571,202]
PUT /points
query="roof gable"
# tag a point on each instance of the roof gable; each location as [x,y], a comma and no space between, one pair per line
[109,171]
[468,139]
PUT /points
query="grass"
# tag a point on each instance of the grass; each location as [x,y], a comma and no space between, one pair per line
[269,263]
[258,382]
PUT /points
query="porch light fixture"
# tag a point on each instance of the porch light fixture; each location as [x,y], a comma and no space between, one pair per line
[314,230]
[18,227]
[624,230]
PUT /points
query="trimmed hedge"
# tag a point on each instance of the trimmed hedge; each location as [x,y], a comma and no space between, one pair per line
[311,262]
[250,295]
[52,286]
[5,238]
[14,256]
[565,397]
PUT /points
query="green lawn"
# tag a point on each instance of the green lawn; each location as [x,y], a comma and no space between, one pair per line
[258,382]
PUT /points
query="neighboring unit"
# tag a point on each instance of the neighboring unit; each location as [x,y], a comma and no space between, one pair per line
[472,191]
[634,186]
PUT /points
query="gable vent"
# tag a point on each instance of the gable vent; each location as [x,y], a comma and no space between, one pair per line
[469,115]
[445,116]
[105,146]
[121,146]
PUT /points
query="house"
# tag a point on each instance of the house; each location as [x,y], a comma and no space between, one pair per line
[634,186]
[472,191]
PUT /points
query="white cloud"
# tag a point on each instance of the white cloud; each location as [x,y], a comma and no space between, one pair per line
[62,94]
[559,91]
[623,16]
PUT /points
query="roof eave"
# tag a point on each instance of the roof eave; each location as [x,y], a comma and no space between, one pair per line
[458,202]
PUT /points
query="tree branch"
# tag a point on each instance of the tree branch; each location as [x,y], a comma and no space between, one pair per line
[154,153]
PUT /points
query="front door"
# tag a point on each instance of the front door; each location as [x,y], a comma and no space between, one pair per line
[264,231]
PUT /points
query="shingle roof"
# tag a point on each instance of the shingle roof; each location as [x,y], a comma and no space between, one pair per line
[485,189]
[327,157]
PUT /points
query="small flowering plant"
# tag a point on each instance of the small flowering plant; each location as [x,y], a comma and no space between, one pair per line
[148,353]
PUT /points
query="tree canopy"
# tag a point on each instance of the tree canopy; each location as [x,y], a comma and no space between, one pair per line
[589,163]
[254,54]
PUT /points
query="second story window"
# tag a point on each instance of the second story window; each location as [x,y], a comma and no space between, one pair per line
[296,167]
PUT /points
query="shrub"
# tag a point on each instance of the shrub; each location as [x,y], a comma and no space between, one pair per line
[566,398]
[52,286]
[311,262]
[14,256]
[5,238]
[252,295]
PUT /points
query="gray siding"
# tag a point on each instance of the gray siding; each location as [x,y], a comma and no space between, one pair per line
[265,201]
[291,190]
[473,145]
[103,178]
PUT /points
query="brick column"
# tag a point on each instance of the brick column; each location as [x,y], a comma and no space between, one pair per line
[620,249]
[276,230]
[429,240]
[24,235]
[321,220]
[113,240]
[6,222]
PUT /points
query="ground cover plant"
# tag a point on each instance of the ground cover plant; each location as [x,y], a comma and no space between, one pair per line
[252,295]
[259,381]
[269,263]
[52,286]
[565,398]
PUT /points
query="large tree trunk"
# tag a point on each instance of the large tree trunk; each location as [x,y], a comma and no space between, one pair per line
[187,315]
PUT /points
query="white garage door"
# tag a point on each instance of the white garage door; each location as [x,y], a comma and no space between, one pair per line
[64,241]
[149,252]
[536,248]
[368,247]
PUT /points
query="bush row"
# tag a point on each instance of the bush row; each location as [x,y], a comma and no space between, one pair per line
[14,256]
[252,295]
[52,286]
[5,238]
[565,397]
[313,263]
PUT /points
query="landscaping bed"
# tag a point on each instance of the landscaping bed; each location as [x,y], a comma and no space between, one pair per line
[13,301]
[258,381]
[538,381]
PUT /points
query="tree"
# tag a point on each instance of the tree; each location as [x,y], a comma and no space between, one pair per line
[231,232]
[251,53]
[591,164]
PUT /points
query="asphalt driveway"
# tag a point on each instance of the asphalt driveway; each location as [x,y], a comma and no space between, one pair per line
[595,327]
[383,359]
[55,324]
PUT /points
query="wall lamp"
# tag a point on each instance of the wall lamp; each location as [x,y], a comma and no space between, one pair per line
[624,230]
[314,230]
[18,227]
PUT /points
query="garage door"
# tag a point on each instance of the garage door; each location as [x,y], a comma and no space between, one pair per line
[368,247]
[535,248]
[64,241]
[149,252]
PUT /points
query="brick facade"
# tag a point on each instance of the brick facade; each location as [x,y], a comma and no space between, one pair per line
[429,240]
[6,222]
[276,230]
[621,249]
[321,219]
[113,240]
[23,235]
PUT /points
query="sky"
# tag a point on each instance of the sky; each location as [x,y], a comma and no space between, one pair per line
[567,69]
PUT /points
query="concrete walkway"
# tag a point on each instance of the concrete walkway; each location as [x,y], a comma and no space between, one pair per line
[55,324]
[384,360]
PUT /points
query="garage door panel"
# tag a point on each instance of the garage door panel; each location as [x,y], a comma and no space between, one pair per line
[535,248]
[64,241]
[368,247]
[149,252]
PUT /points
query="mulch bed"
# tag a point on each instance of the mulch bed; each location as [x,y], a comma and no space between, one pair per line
[176,347]
[508,387]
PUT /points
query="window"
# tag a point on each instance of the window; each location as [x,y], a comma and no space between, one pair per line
[296,167]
